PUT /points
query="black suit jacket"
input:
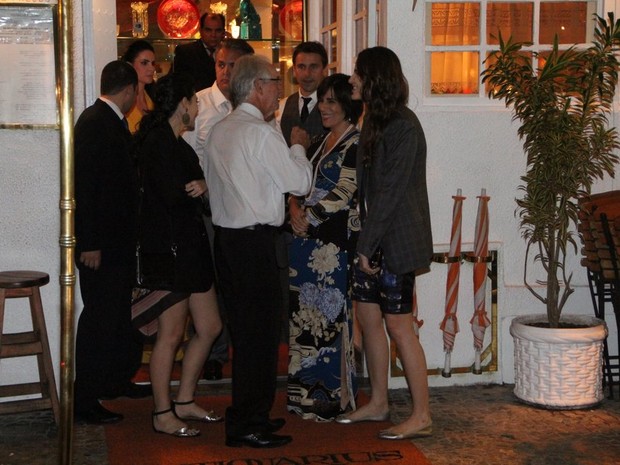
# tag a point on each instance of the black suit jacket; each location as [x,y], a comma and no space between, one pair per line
[398,216]
[193,59]
[105,184]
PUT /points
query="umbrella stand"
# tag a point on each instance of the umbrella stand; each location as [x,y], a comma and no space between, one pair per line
[449,325]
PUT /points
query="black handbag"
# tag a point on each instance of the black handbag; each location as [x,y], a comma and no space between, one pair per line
[155,270]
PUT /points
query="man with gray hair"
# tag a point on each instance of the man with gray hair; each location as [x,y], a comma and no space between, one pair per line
[249,168]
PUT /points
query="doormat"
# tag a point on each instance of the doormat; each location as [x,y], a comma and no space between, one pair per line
[133,441]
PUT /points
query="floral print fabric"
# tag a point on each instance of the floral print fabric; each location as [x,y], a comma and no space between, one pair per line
[320,325]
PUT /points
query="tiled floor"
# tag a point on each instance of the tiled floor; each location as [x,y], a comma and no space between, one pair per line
[473,425]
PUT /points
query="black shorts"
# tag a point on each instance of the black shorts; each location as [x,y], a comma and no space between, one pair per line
[393,292]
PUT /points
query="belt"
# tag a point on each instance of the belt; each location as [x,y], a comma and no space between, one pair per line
[254,227]
[260,227]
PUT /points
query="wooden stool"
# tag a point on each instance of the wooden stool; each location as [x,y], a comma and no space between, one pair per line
[16,284]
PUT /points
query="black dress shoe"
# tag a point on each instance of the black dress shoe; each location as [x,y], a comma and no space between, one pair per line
[258,440]
[97,415]
[131,390]
[275,424]
[212,370]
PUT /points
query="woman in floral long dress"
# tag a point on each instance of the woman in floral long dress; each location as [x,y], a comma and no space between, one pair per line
[325,224]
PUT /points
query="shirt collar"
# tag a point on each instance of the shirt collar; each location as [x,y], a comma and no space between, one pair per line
[218,97]
[313,96]
[252,110]
[113,106]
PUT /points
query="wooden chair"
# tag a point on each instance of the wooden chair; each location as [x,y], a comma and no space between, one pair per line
[22,284]
[599,229]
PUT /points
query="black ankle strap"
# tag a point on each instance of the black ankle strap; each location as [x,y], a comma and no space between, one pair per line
[161,412]
[183,403]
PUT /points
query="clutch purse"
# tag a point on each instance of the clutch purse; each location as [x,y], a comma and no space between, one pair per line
[155,270]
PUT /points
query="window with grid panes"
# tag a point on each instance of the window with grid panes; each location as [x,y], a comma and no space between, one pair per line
[461,34]
[360,26]
[329,33]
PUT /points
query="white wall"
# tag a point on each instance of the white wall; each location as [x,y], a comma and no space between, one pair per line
[470,147]
[30,190]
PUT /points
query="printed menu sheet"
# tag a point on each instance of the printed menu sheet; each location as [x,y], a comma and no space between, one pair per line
[27,80]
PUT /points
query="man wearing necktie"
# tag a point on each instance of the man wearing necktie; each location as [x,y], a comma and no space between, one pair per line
[300,109]
[198,58]
[107,353]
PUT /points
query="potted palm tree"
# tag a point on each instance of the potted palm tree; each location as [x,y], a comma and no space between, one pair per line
[562,106]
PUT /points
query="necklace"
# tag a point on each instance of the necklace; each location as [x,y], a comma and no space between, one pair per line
[322,152]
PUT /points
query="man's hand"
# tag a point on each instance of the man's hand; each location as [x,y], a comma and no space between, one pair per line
[300,136]
[298,221]
[196,188]
[91,259]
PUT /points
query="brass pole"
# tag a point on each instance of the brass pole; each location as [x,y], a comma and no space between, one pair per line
[64,89]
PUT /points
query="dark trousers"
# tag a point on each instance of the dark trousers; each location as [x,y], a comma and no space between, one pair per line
[108,350]
[250,283]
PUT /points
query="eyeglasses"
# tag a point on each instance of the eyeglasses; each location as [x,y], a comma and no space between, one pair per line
[270,79]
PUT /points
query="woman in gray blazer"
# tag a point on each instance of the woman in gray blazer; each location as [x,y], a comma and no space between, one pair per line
[395,242]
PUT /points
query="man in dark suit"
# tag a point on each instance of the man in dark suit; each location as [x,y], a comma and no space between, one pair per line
[197,58]
[107,352]
[300,108]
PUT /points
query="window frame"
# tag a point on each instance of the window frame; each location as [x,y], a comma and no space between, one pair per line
[480,98]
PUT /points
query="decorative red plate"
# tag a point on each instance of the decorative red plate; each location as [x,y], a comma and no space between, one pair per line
[179,19]
[291,20]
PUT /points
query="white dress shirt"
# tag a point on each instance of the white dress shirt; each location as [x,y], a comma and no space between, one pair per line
[249,168]
[213,107]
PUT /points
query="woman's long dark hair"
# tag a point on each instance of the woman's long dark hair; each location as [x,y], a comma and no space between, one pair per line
[384,91]
[135,48]
[170,90]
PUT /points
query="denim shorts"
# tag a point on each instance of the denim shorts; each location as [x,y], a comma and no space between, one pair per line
[393,292]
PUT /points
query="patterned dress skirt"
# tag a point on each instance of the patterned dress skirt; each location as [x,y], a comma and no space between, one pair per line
[321,355]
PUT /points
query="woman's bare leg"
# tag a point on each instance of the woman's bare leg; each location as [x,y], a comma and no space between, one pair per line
[208,325]
[377,359]
[171,325]
[411,354]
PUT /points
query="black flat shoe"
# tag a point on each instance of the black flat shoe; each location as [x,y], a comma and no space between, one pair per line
[138,391]
[258,440]
[97,415]
[212,370]
[131,390]
[275,424]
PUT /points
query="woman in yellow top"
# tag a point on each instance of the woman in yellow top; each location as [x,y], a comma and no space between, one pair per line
[141,55]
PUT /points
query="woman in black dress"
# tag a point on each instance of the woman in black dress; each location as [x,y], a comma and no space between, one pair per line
[171,220]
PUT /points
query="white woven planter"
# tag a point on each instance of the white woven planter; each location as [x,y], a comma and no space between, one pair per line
[559,368]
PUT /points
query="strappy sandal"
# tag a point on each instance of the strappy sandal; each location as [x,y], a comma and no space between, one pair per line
[209,417]
[183,432]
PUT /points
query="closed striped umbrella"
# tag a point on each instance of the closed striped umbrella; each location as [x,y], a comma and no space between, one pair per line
[450,325]
[480,321]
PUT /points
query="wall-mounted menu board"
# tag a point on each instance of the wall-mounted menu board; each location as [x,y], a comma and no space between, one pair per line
[28,78]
